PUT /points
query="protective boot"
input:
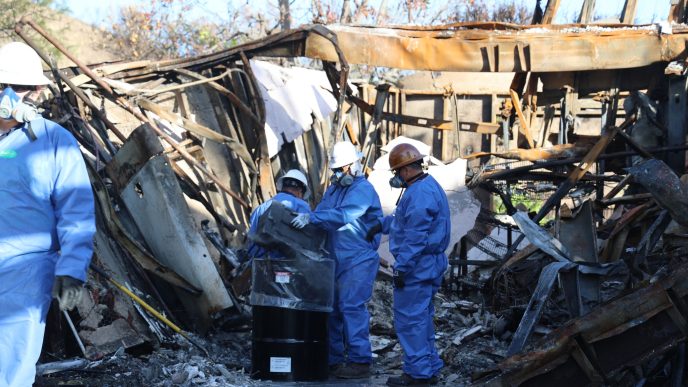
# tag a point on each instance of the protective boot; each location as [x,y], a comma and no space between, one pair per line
[353,371]
[407,380]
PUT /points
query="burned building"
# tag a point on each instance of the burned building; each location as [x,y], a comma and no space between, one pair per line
[563,166]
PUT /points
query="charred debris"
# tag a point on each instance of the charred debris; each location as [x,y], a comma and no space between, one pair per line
[570,213]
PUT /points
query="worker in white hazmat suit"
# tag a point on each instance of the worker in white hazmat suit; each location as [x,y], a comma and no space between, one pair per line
[47,216]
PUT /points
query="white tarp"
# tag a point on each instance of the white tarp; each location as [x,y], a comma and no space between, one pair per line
[463,205]
[293,97]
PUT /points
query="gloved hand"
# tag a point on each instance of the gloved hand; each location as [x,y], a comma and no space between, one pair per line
[301,220]
[68,291]
[242,255]
[398,279]
[377,227]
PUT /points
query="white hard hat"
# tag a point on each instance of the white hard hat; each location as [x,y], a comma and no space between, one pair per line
[21,65]
[296,175]
[344,153]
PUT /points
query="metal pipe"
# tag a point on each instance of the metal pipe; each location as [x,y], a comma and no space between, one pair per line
[79,93]
[76,334]
[149,308]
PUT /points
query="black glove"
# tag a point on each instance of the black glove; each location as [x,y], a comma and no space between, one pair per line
[242,255]
[377,227]
[68,291]
[398,279]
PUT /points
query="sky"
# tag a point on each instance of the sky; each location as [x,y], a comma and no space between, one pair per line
[102,12]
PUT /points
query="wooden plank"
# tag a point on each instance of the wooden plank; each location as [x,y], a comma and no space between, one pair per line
[521,118]
[587,12]
[551,11]
[677,12]
[629,10]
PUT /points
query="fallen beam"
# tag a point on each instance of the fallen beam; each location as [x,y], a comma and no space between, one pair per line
[598,346]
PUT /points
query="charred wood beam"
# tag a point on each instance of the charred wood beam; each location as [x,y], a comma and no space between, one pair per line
[587,12]
[372,133]
[551,11]
[620,333]
[469,47]
[233,98]
[629,10]
[267,180]
[677,12]
[624,182]
[577,173]
[515,172]
[460,47]
[199,130]
[521,118]
[79,93]
[635,146]
[625,199]
[412,120]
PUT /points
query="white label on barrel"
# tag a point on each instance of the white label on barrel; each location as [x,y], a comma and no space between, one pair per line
[282,277]
[280,364]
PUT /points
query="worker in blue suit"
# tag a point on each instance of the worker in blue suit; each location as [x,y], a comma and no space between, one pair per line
[347,211]
[419,232]
[292,193]
[47,216]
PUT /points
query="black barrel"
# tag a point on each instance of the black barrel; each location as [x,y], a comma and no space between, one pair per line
[289,344]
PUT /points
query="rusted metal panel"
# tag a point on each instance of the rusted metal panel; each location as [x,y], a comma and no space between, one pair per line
[163,217]
[468,47]
[140,146]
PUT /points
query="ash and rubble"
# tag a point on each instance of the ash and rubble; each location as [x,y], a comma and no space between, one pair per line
[469,338]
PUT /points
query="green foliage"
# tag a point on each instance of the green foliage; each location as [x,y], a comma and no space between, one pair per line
[161,29]
[12,11]
[520,201]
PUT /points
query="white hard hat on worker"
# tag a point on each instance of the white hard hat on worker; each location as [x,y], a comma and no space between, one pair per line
[21,65]
[344,153]
[294,175]
[345,163]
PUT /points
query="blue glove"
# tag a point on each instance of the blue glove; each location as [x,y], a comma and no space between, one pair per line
[301,220]
[398,279]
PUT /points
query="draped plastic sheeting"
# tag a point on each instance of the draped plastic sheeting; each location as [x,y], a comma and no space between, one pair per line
[293,97]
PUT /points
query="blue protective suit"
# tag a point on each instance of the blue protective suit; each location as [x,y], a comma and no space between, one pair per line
[419,233]
[289,201]
[347,213]
[47,224]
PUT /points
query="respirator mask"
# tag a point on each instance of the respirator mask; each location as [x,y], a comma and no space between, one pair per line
[13,107]
[341,178]
[397,181]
